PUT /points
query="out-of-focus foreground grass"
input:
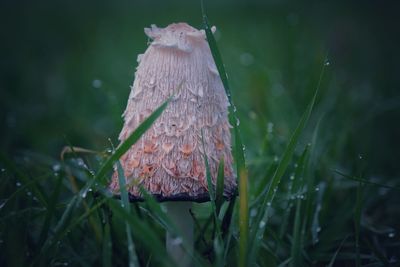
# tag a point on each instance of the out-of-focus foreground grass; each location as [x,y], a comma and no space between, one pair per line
[65,71]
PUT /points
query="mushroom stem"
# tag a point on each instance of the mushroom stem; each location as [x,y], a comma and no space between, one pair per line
[179,214]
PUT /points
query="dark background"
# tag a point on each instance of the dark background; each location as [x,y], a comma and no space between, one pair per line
[66,67]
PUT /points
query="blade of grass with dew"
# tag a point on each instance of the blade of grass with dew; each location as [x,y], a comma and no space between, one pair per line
[357,223]
[243,219]
[217,242]
[35,188]
[75,149]
[133,260]
[22,189]
[296,240]
[219,194]
[50,210]
[60,234]
[132,139]
[262,219]
[60,225]
[239,149]
[310,183]
[147,236]
[83,192]
[298,186]
[364,181]
[262,187]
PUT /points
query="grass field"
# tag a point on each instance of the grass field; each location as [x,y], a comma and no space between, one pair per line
[316,90]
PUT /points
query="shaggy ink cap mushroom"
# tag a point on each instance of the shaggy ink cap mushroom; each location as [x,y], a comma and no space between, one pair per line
[168,160]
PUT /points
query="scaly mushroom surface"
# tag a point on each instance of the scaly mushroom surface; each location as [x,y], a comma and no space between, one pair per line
[168,160]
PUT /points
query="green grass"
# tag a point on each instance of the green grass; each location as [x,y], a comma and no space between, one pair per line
[310,191]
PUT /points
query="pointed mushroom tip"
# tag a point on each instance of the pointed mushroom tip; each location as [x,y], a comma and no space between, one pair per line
[153,32]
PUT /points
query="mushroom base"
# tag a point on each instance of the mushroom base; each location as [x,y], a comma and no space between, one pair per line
[179,197]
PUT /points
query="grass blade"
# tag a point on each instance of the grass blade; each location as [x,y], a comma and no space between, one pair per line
[50,210]
[364,181]
[107,246]
[35,188]
[133,261]
[133,138]
[219,194]
[147,236]
[239,149]
[243,219]
[258,234]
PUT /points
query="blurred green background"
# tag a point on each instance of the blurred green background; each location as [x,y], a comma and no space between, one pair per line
[66,68]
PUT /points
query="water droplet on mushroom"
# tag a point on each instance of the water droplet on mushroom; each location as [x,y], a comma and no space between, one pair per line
[152,81]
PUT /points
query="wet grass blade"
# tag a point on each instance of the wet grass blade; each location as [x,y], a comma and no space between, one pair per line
[296,249]
[147,236]
[133,260]
[262,219]
[35,188]
[243,219]
[219,195]
[133,138]
[22,189]
[357,223]
[239,149]
[217,242]
[50,210]
[364,181]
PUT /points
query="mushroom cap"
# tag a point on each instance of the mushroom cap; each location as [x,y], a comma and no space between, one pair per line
[168,160]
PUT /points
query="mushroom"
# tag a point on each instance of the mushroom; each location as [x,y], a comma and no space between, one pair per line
[168,160]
